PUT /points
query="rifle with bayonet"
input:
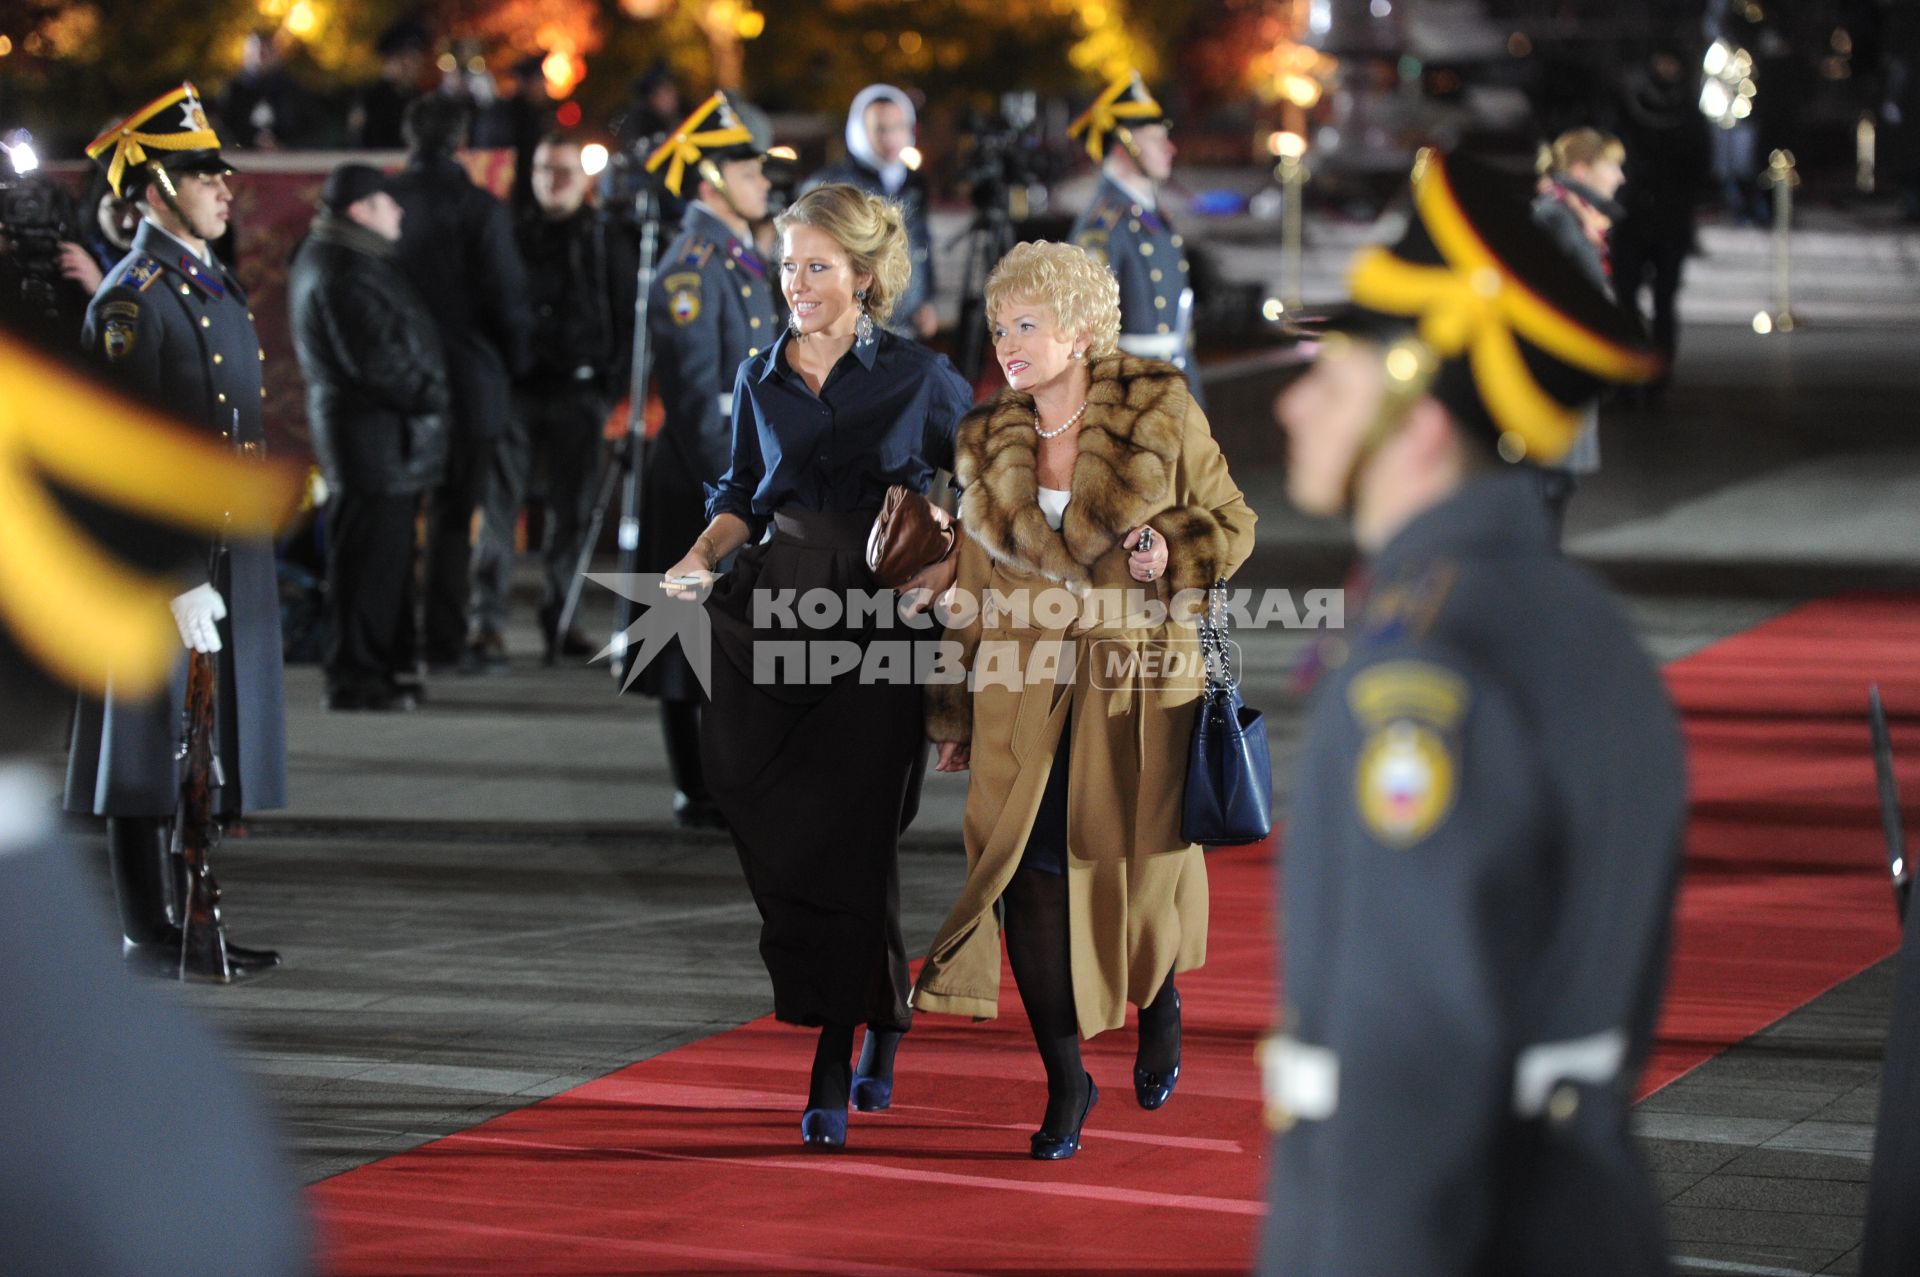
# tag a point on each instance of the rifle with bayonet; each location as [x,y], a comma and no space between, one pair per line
[196,826]
[1890,824]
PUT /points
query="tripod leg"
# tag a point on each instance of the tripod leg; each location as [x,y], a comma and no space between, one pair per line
[609,477]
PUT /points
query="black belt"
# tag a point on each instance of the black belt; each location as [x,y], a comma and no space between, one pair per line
[828,530]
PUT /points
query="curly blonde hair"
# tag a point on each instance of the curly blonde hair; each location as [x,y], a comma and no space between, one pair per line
[1586,146]
[1081,294]
[869,228]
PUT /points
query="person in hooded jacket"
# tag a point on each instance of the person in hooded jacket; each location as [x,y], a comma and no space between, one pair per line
[880,138]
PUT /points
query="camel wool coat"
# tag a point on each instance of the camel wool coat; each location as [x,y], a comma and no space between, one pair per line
[1097,655]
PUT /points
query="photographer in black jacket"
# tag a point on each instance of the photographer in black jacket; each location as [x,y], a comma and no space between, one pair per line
[377,400]
[580,270]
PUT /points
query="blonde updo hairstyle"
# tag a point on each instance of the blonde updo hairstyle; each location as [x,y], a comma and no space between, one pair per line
[1082,295]
[869,228]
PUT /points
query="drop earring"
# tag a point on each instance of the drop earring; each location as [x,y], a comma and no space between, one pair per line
[863,326]
[793,323]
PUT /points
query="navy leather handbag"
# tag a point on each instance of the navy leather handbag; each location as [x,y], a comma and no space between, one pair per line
[1229,797]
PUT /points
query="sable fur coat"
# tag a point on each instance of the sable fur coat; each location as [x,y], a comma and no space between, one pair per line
[1137,891]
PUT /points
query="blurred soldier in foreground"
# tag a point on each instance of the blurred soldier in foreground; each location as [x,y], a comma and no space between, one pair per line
[880,128]
[170,324]
[132,1146]
[1489,808]
[1126,133]
[711,309]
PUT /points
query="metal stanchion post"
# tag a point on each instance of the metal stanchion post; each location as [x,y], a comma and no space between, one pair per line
[1291,173]
[1782,178]
[1865,158]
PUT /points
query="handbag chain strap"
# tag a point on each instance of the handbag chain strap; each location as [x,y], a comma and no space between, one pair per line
[1215,628]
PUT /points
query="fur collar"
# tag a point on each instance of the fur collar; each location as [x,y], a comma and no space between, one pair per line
[1130,442]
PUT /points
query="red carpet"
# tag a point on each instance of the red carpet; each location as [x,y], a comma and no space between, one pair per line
[689,1163]
[1786,892]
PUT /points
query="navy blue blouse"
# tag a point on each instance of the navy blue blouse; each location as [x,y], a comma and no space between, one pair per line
[886,414]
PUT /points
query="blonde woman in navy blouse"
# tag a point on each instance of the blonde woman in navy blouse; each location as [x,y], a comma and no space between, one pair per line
[817,780]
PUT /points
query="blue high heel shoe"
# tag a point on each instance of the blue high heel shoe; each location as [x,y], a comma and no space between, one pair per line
[1053,1148]
[1154,1089]
[873,1092]
[824,1130]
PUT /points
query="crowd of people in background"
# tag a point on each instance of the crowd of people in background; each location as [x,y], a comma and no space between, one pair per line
[503,403]
[461,352]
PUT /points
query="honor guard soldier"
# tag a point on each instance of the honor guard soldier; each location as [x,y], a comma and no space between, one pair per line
[171,326]
[711,308]
[1490,803]
[1126,133]
[133,1143]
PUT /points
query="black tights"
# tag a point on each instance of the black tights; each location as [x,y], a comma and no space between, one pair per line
[1159,1048]
[1038,946]
[832,1068]
[1041,953]
[832,1075]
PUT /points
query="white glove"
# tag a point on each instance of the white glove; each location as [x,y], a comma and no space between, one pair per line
[198,613]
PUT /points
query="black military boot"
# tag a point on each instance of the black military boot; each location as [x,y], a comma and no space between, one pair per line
[140,882]
[693,806]
[149,884]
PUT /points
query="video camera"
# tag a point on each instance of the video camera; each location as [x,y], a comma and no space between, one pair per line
[625,178]
[36,214]
[1005,153]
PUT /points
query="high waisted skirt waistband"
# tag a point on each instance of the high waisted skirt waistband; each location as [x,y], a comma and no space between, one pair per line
[828,531]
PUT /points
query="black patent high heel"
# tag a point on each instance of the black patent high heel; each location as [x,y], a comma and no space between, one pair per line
[1054,1148]
[1154,1089]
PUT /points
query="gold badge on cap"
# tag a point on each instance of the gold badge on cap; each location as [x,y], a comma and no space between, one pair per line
[152,133]
[712,126]
[1124,101]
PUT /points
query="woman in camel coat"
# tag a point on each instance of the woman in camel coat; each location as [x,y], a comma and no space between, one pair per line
[1077,718]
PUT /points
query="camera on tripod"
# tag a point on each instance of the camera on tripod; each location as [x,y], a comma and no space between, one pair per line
[35,216]
[1007,169]
[625,178]
[1006,165]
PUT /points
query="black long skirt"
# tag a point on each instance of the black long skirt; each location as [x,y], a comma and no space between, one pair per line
[817,782]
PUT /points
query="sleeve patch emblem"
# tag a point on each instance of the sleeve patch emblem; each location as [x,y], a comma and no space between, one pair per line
[1404,783]
[116,339]
[684,306]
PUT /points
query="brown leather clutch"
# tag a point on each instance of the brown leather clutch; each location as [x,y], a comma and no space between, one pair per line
[910,533]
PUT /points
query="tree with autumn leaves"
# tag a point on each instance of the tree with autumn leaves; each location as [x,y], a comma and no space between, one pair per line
[70,64]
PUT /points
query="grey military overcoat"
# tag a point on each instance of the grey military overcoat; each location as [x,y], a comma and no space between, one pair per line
[174,332]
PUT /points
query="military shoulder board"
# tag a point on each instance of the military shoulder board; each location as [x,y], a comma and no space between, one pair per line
[698,253]
[141,273]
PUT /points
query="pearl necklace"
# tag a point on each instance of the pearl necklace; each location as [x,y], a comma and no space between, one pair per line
[1064,426]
